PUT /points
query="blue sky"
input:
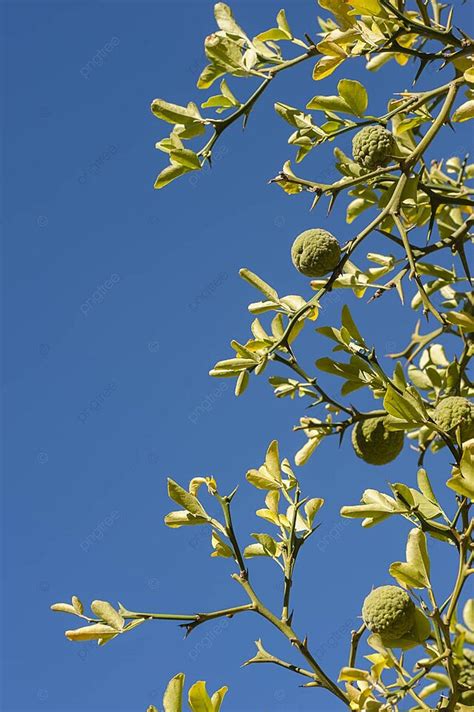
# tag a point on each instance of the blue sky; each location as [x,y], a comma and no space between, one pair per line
[118,301]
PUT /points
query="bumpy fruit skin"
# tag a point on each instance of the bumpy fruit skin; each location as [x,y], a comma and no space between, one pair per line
[454,411]
[374,444]
[315,252]
[373,147]
[389,611]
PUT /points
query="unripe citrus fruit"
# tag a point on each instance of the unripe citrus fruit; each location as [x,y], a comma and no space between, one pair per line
[372,147]
[389,611]
[374,443]
[315,252]
[455,411]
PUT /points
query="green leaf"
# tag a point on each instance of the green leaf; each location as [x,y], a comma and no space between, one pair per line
[220,547]
[255,550]
[354,94]
[97,631]
[198,699]
[173,697]
[407,575]
[349,324]
[242,383]
[169,174]
[425,485]
[417,553]
[225,20]
[415,573]
[105,611]
[272,461]
[174,520]
[187,158]
[312,507]
[225,53]
[274,34]
[218,697]
[259,284]
[262,479]
[400,407]
[329,103]
[466,321]
[175,114]
[464,112]
[468,614]
[325,67]
[64,608]
[282,22]
[366,7]
[230,96]
[209,75]
[186,500]
[267,542]
[349,674]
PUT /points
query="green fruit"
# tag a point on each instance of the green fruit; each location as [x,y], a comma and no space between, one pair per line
[455,411]
[315,252]
[374,444]
[372,147]
[389,611]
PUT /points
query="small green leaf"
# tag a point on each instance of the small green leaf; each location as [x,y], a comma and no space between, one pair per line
[267,542]
[169,174]
[259,284]
[175,114]
[400,407]
[187,158]
[242,383]
[220,547]
[326,66]
[425,485]
[186,500]
[78,606]
[105,611]
[349,324]
[350,674]
[218,698]
[209,75]
[225,20]
[282,23]
[64,608]
[272,461]
[329,103]
[173,697]
[354,94]
[312,507]
[468,614]
[464,112]
[255,550]
[407,575]
[261,479]
[96,631]
[198,699]
[417,553]
[174,520]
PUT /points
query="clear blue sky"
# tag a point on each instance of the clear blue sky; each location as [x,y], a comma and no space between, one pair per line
[101,391]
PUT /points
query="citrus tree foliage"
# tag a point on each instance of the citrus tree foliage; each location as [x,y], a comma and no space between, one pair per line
[420,207]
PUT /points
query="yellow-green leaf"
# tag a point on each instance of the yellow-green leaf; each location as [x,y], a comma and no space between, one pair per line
[354,94]
[97,631]
[464,112]
[198,699]
[105,611]
[325,67]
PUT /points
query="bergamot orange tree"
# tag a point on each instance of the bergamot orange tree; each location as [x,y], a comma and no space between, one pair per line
[421,208]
